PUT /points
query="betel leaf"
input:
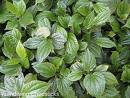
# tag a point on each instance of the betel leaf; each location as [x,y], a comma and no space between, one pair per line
[105,42]
[94,83]
[88,60]
[45,69]
[35,88]
[33,43]
[44,49]
[75,75]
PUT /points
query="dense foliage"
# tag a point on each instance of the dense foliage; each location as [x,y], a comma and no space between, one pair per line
[65,48]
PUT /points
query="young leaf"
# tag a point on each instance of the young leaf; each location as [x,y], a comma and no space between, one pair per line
[94,83]
[45,69]
[20,50]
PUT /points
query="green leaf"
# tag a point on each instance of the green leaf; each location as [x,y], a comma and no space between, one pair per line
[63,86]
[39,1]
[76,17]
[30,77]
[75,75]
[13,84]
[43,31]
[127,94]
[102,68]
[11,39]
[110,92]
[32,43]
[10,7]
[44,22]
[82,45]
[112,4]
[11,24]
[57,61]
[88,60]
[26,19]
[20,50]
[127,23]
[94,48]
[105,42]
[35,87]
[94,83]
[64,21]
[44,49]
[48,14]
[72,45]
[100,7]
[125,77]
[45,69]
[5,15]
[88,22]
[123,9]
[59,38]
[10,67]
[102,17]
[110,78]
[20,7]
[115,59]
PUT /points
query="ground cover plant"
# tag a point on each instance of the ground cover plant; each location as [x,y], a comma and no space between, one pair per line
[64,49]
